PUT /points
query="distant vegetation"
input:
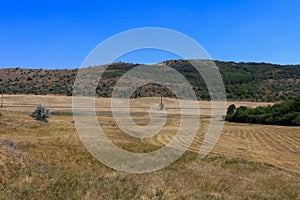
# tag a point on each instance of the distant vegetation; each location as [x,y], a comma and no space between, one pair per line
[243,81]
[286,113]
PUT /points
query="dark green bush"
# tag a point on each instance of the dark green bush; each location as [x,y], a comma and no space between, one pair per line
[231,109]
[286,113]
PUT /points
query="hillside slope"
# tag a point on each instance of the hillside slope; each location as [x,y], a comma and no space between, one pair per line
[243,81]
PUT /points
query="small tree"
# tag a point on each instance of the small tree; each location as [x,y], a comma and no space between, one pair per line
[41,113]
[231,109]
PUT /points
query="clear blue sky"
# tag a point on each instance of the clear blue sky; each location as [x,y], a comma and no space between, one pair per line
[60,34]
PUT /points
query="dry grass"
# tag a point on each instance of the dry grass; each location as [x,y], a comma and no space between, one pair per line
[48,161]
[26,103]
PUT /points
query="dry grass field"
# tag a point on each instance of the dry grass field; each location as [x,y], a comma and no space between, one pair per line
[48,161]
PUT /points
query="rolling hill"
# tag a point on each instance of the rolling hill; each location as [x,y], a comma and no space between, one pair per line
[243,81]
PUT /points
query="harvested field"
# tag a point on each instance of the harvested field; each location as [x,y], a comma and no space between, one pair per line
[46,161]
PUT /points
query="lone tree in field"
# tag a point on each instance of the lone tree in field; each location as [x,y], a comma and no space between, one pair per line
[41,113]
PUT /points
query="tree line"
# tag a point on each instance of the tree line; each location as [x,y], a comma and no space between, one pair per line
[286,113]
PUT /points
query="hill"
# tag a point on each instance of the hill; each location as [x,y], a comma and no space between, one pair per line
[243,81]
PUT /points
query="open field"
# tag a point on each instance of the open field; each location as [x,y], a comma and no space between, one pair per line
[46,161]
[26,103]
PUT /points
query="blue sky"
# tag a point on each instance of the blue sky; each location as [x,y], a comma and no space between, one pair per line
[60,34]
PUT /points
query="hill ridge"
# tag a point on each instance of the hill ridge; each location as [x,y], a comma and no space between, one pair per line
[243,80]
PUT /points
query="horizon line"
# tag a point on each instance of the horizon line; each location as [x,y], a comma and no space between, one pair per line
[126,62]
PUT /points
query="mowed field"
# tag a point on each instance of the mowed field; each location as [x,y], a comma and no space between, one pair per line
[46,161]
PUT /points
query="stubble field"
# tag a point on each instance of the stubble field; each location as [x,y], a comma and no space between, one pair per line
[46,161]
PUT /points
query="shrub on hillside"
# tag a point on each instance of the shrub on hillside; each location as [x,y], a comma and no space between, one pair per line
[41,113]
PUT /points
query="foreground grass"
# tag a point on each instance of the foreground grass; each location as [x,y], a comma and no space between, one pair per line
[48,161]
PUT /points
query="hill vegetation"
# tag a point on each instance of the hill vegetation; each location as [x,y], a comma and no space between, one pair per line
[243,81]
[286,113]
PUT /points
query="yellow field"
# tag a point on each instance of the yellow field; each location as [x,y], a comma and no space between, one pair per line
[46,161]
[62,103]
